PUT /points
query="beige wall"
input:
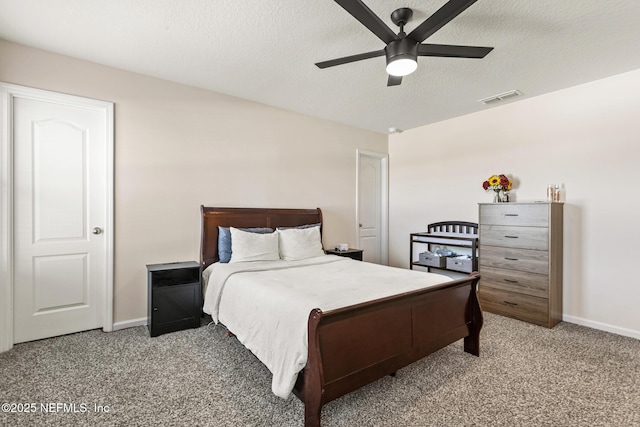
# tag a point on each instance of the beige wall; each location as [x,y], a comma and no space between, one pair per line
[586,138]
[177,147]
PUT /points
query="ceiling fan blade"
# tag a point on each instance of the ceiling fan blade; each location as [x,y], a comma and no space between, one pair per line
[441,17]
[394,80]
[452,51]
[362,13]
[352,58]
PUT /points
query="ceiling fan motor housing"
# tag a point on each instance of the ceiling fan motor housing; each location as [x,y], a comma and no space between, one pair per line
[404,48]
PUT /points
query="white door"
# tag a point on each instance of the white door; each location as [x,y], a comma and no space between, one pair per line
[61,217]
[371,207]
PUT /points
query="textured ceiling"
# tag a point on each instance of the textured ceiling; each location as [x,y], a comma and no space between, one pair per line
[265,51]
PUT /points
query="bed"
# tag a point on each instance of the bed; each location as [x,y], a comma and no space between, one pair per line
[350,346]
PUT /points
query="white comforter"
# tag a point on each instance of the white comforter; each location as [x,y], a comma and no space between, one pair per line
[266,304]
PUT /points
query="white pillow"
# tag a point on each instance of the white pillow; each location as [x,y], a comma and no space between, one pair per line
[246,246]
[300,243]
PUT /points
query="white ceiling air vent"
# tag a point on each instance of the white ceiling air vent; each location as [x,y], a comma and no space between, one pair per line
[500,97]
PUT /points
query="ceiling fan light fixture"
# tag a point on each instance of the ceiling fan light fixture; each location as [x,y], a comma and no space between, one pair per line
[402,67]
[402,57]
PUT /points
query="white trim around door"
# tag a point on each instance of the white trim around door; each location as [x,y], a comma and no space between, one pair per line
[8,93]
[384,201]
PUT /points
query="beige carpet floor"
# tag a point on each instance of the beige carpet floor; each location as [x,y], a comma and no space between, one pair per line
[526,376]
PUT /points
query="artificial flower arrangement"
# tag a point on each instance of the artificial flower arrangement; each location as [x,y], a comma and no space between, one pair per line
[497,183]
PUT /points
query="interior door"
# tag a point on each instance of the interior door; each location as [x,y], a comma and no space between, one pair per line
[60,215]
[372,237]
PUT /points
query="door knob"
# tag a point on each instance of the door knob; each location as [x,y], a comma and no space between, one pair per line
[360,225]
[97,230]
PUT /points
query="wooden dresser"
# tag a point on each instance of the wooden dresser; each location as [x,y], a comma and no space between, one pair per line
[521,261]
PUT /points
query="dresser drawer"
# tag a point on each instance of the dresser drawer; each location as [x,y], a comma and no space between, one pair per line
[536,285]
[515,305]
[514,259]
[529,215]
[515,237]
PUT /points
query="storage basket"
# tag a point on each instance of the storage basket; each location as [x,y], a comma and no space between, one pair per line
[462,264]
[429,259]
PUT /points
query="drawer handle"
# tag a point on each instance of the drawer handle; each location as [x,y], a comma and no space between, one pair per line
[510,280]
[511,237]
[513,304]
[511,259]
[510,214]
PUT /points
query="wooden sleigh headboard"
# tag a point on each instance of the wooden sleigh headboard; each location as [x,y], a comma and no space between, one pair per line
[213,217]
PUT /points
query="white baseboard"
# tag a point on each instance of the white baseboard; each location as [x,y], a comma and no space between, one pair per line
[130,323]
[602,326]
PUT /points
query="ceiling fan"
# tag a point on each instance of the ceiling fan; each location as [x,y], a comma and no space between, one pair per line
[402,50]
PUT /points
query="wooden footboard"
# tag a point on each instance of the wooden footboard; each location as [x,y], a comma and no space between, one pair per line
[354,346]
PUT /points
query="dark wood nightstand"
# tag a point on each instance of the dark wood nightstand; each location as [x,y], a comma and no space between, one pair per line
[349,253]
[174,297]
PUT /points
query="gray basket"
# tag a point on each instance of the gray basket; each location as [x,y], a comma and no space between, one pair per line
[464,265]
[431,260]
